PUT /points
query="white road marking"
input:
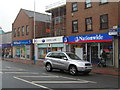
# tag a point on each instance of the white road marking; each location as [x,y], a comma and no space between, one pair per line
[39,76]
[1,72]
[58,82]
[32,83]
[20,73]
[78,79]
[72,78]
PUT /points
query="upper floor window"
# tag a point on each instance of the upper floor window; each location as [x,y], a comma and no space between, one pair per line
[74,6]
[57,20]
[88,22]
[19,31]
[104,21]
[75,26]
[103,1]
[27,30]
[88,3]
[14,32]
[23,31]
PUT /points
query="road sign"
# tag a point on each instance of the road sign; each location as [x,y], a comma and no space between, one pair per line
[113,32]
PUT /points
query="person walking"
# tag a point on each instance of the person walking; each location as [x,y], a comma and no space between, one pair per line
[104,56]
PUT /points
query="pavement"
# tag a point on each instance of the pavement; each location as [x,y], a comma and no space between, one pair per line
[106,70]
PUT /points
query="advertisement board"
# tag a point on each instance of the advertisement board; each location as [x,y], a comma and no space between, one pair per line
[22,42]
[88,38]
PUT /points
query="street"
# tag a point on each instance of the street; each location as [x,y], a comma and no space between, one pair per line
[16,75]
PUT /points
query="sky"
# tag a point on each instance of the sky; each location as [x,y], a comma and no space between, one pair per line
[9,9]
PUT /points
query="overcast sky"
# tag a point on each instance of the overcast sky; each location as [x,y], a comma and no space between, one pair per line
[10,8]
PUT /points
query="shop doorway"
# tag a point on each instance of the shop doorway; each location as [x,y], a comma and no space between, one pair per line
[94,54]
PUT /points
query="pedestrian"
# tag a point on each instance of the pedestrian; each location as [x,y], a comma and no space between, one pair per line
[104,56]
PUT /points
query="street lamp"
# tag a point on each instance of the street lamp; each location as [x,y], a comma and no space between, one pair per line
[34,35]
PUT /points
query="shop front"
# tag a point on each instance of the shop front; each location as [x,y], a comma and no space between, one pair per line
[7,50]
[45,45]
[91,47]
[21,49]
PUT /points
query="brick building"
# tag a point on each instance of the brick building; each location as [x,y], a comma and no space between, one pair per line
[87,25]
[58,18]
[23,32]
[57,31]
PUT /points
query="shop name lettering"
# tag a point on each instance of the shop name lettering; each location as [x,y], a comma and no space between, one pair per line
[81,38]
[20,42]
[50,40]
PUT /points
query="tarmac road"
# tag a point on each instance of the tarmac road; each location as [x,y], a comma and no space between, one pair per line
[16,75]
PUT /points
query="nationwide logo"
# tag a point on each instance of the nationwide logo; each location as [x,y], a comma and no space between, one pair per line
[87,38]
[65,39]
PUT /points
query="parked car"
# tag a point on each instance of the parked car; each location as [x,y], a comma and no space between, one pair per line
[66,61]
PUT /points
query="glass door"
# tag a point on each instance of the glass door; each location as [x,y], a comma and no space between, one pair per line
[94,54]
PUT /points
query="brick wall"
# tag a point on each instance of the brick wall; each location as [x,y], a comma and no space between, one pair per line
[111,8]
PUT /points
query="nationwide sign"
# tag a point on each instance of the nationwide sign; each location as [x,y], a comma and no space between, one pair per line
[88,38]
[22,42]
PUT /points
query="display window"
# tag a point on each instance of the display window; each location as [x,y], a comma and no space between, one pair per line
[108,49]
[41,53]
[22,52]
[93,51]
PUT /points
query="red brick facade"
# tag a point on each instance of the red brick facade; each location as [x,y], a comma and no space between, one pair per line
[110,8]
[58,25]
[23,20]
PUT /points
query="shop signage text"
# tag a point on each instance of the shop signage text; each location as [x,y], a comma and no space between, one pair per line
[88,38]
[50,40]
[22,42]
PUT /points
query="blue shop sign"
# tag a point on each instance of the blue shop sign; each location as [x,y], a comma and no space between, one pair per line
[88,38]
[22,42]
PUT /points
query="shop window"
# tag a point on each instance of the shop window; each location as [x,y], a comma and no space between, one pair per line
[57,20]
[108,49]
[104,21]
[88,22]
[14,33]
[23,31]
[88,3]
[27,30]
[74,26]
[74,6]
[19,31]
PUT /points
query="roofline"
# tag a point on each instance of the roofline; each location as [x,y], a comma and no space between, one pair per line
[55,5]
[27,15]
[54,8]
[36,12]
